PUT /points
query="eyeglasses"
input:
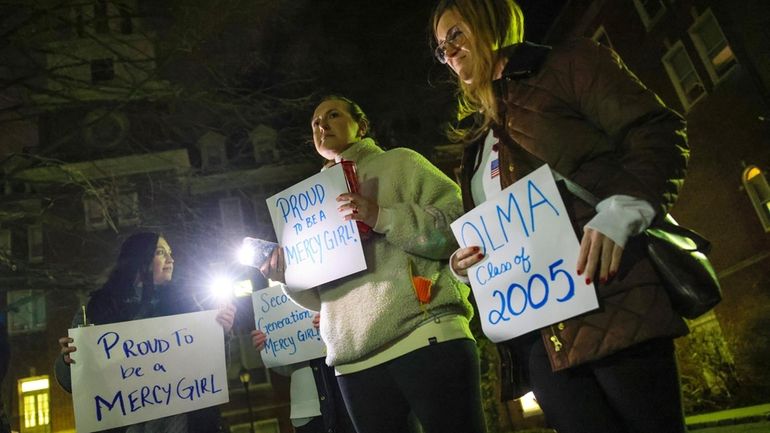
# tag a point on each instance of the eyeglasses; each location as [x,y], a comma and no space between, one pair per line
[455,37]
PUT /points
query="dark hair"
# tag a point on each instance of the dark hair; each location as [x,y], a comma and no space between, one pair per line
[135,259]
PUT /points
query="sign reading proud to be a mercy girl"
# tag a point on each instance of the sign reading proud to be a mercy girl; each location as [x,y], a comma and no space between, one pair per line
[528,278]
[130,372]
[318,244]
[291,336]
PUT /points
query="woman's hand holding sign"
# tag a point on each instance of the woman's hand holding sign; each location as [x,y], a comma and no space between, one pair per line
[66,349]
[226,316]
[464,258]
[275,267]
[598,252]
[358,208]
[258,339]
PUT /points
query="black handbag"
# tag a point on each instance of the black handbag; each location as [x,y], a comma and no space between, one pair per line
[678,255]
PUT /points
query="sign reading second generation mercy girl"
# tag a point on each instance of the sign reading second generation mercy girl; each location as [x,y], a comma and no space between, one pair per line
[318,244]
[291,336]
[129,372]
[527,279]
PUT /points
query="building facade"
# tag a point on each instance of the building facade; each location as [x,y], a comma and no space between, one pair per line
[708,60]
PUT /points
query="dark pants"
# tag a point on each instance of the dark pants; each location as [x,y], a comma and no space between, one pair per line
[438,383]
[635,390]
[334,417]
[316,425]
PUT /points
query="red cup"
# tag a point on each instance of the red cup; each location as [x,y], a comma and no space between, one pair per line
[351,178]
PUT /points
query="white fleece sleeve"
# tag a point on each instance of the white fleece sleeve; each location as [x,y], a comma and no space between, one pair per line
[308,299]
[426,203]
[620,217]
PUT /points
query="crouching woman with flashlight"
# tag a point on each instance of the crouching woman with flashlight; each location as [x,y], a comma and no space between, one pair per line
[395,349]
[139,288]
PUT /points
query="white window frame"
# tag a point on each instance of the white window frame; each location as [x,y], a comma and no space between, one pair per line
[6,243]
[261,212]
[231,223]
[128,208]
[648,21]
[39,393]
[703,51]
[91,204]
[676,80]
[18,323]
[35,232]
[602,32]
[213,150]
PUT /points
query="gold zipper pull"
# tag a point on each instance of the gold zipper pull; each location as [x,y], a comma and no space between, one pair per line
[555,340]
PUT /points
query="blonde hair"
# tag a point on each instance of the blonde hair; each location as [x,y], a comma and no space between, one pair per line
[493,24]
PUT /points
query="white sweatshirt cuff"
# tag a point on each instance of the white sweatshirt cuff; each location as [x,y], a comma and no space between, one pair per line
[458,277]
[620,217]
[384,219]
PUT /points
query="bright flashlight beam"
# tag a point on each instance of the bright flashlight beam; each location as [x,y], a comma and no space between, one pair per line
[246,255]
[222,288]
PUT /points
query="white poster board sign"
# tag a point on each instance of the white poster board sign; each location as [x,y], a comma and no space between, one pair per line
[130,372]
[291,336]
[318,244]
[528,278]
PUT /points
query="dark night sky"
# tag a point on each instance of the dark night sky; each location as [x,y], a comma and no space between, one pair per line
[379,54]
[376,52]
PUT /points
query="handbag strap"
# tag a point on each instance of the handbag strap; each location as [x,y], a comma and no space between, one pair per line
[667,223]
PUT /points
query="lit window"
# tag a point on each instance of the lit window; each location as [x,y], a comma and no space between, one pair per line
[34,397]
[757,188]
[712,46]
[685,79]
[650,11]
[26,311]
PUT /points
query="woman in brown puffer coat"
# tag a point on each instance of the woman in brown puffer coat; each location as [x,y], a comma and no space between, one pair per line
[579,109]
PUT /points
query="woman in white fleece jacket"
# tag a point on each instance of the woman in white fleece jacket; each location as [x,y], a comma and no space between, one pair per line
[391,353]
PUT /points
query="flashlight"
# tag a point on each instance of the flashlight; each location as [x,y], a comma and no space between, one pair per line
[221,289]
[255,252]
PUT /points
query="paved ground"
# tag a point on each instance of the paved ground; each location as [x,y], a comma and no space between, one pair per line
[754,419]
[754,427]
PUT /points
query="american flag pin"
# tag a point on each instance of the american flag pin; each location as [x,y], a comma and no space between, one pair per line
[495,168]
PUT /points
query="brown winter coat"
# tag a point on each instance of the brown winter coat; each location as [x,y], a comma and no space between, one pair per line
[579,108]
